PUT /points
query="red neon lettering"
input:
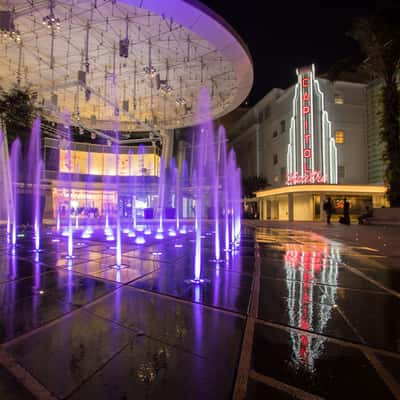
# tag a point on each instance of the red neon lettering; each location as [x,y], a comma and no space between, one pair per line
[306,110]
[308,177]
[306,96]
[305,82]
[307,153]
[307,138]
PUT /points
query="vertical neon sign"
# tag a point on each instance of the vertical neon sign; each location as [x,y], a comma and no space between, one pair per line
[307,132]
[312,155]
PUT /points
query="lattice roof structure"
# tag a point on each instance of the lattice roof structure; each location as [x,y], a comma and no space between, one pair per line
[140,63]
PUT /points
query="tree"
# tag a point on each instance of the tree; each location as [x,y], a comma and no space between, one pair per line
[253,184]
[379,39]
[18,111]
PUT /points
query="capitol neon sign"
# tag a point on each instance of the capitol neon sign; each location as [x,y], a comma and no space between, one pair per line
[312,154]
[308,178]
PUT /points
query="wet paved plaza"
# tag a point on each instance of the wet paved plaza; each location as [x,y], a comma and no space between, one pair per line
[290,315]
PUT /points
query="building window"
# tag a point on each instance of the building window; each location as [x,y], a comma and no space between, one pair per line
[275,134]
[341,171]
[283,126]
[339,98]
[339,136]
[275,159]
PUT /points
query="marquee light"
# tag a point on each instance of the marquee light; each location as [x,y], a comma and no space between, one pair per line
[378,190]
[312,154]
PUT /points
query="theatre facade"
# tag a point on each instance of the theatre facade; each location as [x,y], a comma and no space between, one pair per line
[310,142]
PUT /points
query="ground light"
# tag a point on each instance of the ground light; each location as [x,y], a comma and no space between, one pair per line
[140,240]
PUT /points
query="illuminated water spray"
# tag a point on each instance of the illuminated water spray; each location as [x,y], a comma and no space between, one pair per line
[33,175]
[65,130]
[201,177]
[14,167]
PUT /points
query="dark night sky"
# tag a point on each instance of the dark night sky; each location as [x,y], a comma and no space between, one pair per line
[284,34]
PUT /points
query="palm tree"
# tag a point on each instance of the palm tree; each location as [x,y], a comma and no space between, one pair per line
[379,39]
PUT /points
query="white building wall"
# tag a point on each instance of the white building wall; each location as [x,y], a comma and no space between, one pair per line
[276,106]
[303,207]
[350,118]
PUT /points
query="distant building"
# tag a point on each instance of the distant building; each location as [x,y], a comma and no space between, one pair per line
[310,141]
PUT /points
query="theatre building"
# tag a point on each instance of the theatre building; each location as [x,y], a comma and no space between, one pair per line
[310,142]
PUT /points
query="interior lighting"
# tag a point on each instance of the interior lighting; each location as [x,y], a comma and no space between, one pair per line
[52,22]
[180,101]
[11,35]
[150,71]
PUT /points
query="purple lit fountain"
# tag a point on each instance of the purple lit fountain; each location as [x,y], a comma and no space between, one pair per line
[34,173]
[200,178]
[6,184]
[215,180]
[67,135]
[15,178]
[161,197]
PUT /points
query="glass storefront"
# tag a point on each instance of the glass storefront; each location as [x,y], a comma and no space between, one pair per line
[101,160]
[92,163]
[97,202]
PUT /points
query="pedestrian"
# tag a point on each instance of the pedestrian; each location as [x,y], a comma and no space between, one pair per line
[328,210]
[346,212]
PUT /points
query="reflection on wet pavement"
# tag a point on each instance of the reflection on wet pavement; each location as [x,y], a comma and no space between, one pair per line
[311,316]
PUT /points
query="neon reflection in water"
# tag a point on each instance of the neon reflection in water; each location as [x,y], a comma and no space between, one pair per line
[305,266]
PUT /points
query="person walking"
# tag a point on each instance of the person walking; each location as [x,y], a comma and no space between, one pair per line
[328,210]
[346,212]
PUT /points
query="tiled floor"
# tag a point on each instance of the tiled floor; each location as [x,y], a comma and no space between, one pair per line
[289,315]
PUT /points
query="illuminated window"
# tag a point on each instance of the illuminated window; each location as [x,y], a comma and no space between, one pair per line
[339,99]
[275,159]
[93,163]
[339,137]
